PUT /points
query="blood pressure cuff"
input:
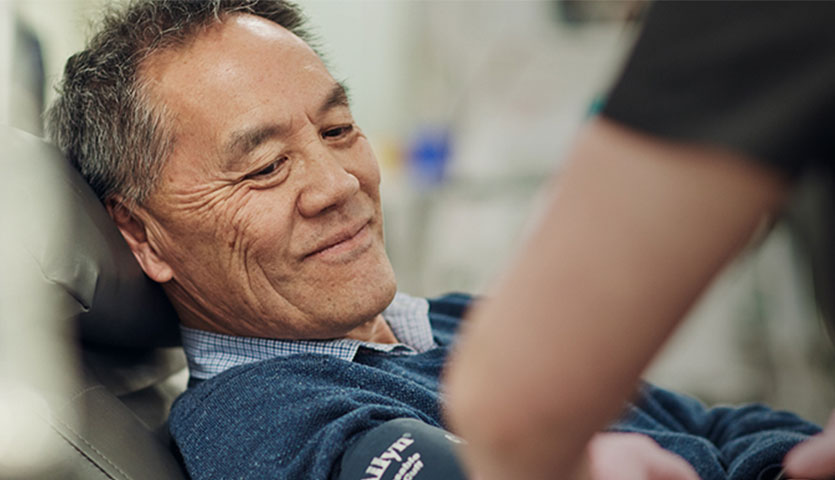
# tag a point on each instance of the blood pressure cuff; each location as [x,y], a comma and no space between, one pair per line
[403,449]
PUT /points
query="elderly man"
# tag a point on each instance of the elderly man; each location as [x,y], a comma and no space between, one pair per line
[227,155]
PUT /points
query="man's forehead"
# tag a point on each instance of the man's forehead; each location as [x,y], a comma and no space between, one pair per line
[229,61]
[260,26]
[261,33]
[238,84]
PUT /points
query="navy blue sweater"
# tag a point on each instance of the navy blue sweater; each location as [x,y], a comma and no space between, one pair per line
[293,417]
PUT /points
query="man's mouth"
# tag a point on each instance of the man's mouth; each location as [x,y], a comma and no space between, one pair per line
[345,244]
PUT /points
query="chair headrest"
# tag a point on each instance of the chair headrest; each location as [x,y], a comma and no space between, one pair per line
[58,221]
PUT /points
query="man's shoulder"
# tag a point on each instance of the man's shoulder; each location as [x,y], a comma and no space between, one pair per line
[293,383]
[445,314]
[453,304]
[238,385]
[274,417]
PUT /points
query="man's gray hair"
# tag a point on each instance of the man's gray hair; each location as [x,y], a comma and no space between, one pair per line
[104,120]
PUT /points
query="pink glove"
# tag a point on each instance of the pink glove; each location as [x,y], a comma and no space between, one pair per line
[814,459]
[632,456]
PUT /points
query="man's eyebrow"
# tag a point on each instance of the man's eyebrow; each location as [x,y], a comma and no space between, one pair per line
[244,141]
[338,97]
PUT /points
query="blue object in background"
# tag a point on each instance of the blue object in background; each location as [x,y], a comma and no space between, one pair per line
[428,156]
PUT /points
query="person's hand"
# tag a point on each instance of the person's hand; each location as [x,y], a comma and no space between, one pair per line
[632,456]
[814,459]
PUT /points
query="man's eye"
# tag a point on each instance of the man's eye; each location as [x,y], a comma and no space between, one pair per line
[269,169]
[338,131]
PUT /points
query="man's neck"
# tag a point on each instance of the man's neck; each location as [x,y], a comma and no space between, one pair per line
[376,330]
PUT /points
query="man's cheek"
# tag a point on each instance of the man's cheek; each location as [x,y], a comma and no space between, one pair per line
[236,227]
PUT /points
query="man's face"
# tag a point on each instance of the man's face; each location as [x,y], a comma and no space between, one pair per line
[268,213]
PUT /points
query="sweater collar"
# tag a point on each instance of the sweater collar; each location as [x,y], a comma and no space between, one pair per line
[211,353]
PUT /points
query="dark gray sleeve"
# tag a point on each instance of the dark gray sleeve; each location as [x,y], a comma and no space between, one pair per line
[403,449]
[754,77]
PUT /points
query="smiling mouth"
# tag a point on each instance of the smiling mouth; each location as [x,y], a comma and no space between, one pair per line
[345,245]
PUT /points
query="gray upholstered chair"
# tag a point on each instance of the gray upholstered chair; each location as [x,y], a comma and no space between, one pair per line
[110,336]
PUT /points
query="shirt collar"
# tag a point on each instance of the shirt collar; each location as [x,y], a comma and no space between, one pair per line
[210,353]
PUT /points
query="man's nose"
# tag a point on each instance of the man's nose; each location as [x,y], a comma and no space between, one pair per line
[328,182]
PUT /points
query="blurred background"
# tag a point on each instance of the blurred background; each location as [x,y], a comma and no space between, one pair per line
[470,106]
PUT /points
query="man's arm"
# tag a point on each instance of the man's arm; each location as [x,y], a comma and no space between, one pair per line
[636,229]
[733,443]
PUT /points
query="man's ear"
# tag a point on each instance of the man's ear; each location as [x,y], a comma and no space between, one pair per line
[135,232]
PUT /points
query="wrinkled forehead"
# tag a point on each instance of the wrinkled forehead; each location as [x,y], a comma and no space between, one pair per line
[242,29]
[237,75]
[235,64]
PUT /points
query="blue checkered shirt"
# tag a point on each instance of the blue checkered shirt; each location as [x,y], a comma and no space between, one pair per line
[211,353]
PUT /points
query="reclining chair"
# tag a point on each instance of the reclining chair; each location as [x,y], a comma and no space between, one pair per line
[107,317]
[107,326]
